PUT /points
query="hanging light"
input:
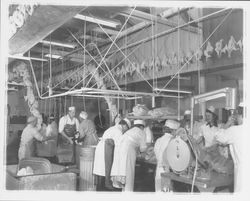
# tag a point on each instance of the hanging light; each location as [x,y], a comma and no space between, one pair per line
[53,56]
[68,45]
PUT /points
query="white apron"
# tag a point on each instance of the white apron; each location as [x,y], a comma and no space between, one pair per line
[160,145]
[114,133]
[99,162]
[123,168]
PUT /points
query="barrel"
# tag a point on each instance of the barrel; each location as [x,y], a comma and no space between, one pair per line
[87,155]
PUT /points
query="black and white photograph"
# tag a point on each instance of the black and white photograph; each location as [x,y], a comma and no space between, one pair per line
[144,98]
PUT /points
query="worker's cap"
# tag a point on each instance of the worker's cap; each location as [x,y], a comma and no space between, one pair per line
[187,112]
[83,115]
[52,117]
[31,119]
[211,109]
[128,122]
[172,124]
[72,108]
[139,122]
[241,104]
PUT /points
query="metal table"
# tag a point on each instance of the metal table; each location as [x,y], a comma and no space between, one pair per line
[216,180]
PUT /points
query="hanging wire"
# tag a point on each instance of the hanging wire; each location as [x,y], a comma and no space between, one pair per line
[153,48]
[126,52]
[84,61]
[65,105]
[45,107]
[42,79]
[178,63]
[72,101]
[50,68]
[99,111]
[197,61]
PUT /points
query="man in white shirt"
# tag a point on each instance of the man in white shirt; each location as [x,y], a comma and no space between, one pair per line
[68,126]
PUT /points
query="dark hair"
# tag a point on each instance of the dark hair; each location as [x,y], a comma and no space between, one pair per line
[215,118]
[123,122]
[138,125]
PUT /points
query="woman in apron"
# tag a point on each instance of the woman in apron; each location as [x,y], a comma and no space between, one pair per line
[159,148]
[68,126]
[102,157]
[123,169]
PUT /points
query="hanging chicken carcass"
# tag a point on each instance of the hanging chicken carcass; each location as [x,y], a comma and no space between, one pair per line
[218,47]
[208,51]
[21,70]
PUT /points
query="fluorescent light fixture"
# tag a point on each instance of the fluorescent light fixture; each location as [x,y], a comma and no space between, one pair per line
[58,44]
[26,58]
[133,98]
[105,22]
[53,56]
[173,90]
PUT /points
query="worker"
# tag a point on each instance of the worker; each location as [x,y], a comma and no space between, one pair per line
[114,133]
[185,122]
[48,149]
[207,130]
[29,134]
[68,126]
[160,145]
[87,130]
[123,169]
[232,136]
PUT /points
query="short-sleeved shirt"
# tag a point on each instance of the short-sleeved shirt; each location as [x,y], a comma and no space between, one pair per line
[209,134]
[67,120]
[29,133]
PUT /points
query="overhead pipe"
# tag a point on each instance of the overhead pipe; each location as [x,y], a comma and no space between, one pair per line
[206,17]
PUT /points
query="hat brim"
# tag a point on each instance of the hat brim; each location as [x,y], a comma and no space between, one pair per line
[139,125]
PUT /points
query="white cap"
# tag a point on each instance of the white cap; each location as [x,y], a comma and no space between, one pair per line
[211,109]
[172,124]
[31,119]
[83,115]
[140,122]
[128,122]
[72,108]
[241,104]
[187,112]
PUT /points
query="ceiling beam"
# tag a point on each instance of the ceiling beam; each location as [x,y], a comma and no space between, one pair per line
[77,56]
[171,12]
[96,20]
[43,21]
[108,31]
[132,29]
[149,17]
[93,38]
